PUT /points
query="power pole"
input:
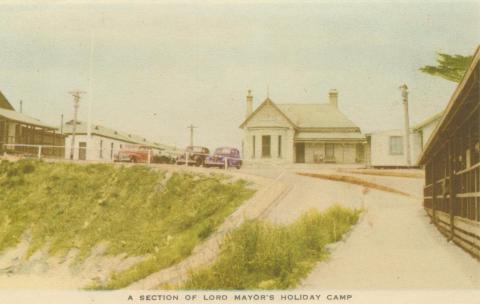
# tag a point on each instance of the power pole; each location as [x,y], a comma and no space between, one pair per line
[191,127]
[61,124]
[76,103]
[404,90]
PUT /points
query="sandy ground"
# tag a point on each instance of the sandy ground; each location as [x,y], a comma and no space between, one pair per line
[393,246]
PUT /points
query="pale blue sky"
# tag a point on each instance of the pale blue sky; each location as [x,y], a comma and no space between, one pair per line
[193,63]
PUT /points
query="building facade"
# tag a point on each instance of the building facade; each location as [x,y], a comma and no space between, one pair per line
[103,144]
[23,135]
[386,148]
[301,133]
[452,165]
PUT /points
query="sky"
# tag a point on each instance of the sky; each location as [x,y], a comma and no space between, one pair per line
[153,68]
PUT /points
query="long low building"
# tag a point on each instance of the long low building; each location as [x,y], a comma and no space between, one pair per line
[104,143]
[24,135]
[452,165]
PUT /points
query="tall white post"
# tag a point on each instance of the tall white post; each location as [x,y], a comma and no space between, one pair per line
[90,97]
[76,102]
[404,90]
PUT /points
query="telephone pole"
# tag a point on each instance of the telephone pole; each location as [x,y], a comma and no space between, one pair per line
[404,90]
[191,127]
[76,103]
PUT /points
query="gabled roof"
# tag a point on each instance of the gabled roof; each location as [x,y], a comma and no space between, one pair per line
[4,104]
[22,118]
[308,115]
[267,101]
[110,133]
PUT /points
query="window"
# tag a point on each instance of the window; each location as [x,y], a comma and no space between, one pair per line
[329,152]
[266,146]
[101,149]
[279,146]
[253,146]
[396,145]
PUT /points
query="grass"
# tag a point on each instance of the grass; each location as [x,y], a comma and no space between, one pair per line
[260,255]
[134,210]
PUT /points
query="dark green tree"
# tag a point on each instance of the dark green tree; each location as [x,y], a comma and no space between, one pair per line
[450,67]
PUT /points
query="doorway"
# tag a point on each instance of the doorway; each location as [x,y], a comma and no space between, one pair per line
[82,151]
[300,153]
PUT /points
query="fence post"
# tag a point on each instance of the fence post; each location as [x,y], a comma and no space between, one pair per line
[149,156]
[187,156]
[39,151]
[226,163]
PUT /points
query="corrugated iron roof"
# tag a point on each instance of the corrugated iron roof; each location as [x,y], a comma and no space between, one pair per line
[356,136]
[316,116]
[22,118]
[309,115]
[111,133]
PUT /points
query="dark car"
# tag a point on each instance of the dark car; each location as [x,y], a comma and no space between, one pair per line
[224,156]
[196,156]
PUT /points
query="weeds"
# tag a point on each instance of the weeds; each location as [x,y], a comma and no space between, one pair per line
[133,210]
[260,255]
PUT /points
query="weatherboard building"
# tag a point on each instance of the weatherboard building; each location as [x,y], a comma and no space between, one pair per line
[301,133]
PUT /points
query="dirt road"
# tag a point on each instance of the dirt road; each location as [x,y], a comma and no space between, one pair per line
[394,246]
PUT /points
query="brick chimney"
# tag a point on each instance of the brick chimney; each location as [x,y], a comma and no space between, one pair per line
[249,103]
[333,97]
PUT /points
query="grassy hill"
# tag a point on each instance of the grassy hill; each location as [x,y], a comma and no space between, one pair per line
[134,210]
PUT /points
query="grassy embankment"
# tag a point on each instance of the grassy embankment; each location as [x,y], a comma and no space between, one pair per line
[133,210]
[260,255]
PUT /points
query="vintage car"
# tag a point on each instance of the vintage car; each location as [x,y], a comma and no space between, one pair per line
[196,156]
[224,156]
[134,154]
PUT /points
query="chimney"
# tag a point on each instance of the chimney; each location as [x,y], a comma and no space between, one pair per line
[249,103]
[333,97]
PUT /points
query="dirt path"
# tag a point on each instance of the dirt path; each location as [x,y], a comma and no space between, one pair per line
[394,245]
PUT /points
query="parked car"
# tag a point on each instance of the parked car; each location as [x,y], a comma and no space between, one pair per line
[225,154]
[134,154]
[163,159]
[196,156]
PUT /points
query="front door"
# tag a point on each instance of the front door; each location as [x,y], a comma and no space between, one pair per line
[329,152]
[300,152]
[82,150]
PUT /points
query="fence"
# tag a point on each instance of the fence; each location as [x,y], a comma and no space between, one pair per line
[35,151]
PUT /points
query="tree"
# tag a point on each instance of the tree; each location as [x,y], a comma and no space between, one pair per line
[450,67]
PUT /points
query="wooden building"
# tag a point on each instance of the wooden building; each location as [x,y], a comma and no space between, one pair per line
[452,165]
[301,133]
[23,135]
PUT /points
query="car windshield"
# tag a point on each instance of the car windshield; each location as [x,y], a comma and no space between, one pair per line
[223,151]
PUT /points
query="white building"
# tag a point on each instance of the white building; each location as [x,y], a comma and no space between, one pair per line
[104,143]
[301,133]
[386,148]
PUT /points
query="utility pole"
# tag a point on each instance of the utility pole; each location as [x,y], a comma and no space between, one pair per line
[191,127]
[61,124]
[404,90]
[76,102]
[21,106]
